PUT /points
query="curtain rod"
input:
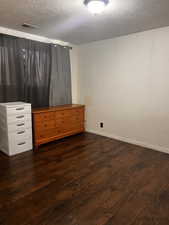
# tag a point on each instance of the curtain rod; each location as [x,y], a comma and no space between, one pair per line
[46,40]
[64,46]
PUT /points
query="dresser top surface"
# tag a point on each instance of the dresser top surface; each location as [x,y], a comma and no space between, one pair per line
[56,108]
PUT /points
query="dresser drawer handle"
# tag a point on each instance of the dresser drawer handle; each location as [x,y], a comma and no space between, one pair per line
[20,108]
[21,132]
[20,124]
[19,117]
[22,143]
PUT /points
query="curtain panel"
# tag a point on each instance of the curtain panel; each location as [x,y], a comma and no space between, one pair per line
[60,89]
[10,76]
[33,72]
[35,66]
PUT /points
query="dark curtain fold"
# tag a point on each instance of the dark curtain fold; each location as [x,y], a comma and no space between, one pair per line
[34,72]
[60,89]
[35,64]
[25,71]
[10,77]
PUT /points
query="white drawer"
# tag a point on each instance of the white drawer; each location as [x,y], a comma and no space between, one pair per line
[20,142]
[20,135]
[16,124]
[20,146]
[19,110]
[15,127]
[19,126]
[22,118]
[23,146]
[14,146]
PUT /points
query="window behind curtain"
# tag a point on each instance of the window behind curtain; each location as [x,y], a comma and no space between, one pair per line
[9,69]
[34,72]
[35,61]
[25,71]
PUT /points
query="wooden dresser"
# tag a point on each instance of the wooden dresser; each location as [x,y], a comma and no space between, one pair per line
[53,123]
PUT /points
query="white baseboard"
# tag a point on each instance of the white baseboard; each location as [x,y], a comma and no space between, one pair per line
[131,141]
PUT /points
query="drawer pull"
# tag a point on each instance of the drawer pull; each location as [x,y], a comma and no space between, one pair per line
[22,143]
[20,124]
[21,132]
[19,117]
[20,108]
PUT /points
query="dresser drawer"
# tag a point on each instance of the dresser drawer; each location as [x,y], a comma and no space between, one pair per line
[20,142]
[19,126]
[75,118]
[57,122]
[44,117]
[49,133]
[79,110]
[46,125]
[59,114]
[74,113]
[20,135]
[68,113]
[71,126]
[20,146]
[22,118]
[23,146]
[49,124]
[19,110]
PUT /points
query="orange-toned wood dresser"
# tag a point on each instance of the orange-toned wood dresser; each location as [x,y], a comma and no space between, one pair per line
[54,123]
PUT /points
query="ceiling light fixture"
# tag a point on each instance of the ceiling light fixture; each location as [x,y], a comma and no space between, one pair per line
[96,6]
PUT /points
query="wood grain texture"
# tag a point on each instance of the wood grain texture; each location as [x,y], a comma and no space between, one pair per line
[54,123]
[85,180]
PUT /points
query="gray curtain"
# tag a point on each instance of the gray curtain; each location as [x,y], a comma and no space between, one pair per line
[34,72]
[25,71]
[10,76]
[60,88]
[35,60]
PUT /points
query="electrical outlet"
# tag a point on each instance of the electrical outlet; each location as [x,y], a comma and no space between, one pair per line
[101,125]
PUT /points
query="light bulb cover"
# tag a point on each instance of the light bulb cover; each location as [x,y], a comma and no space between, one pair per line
[96,6]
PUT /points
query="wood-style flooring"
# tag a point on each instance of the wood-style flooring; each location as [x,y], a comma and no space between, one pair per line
[85,180]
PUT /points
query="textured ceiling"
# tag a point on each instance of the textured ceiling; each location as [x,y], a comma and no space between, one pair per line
[70,21]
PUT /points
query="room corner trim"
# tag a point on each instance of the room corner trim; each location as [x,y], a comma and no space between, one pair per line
[131,141]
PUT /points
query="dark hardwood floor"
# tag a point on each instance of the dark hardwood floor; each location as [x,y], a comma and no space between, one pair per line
[85,180]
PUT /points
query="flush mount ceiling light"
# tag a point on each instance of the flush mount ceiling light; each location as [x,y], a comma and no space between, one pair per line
[96,6]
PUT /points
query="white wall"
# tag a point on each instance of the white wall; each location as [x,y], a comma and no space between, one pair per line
[124,82]
[75,74]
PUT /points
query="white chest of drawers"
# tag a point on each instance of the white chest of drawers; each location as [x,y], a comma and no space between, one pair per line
[15,127]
